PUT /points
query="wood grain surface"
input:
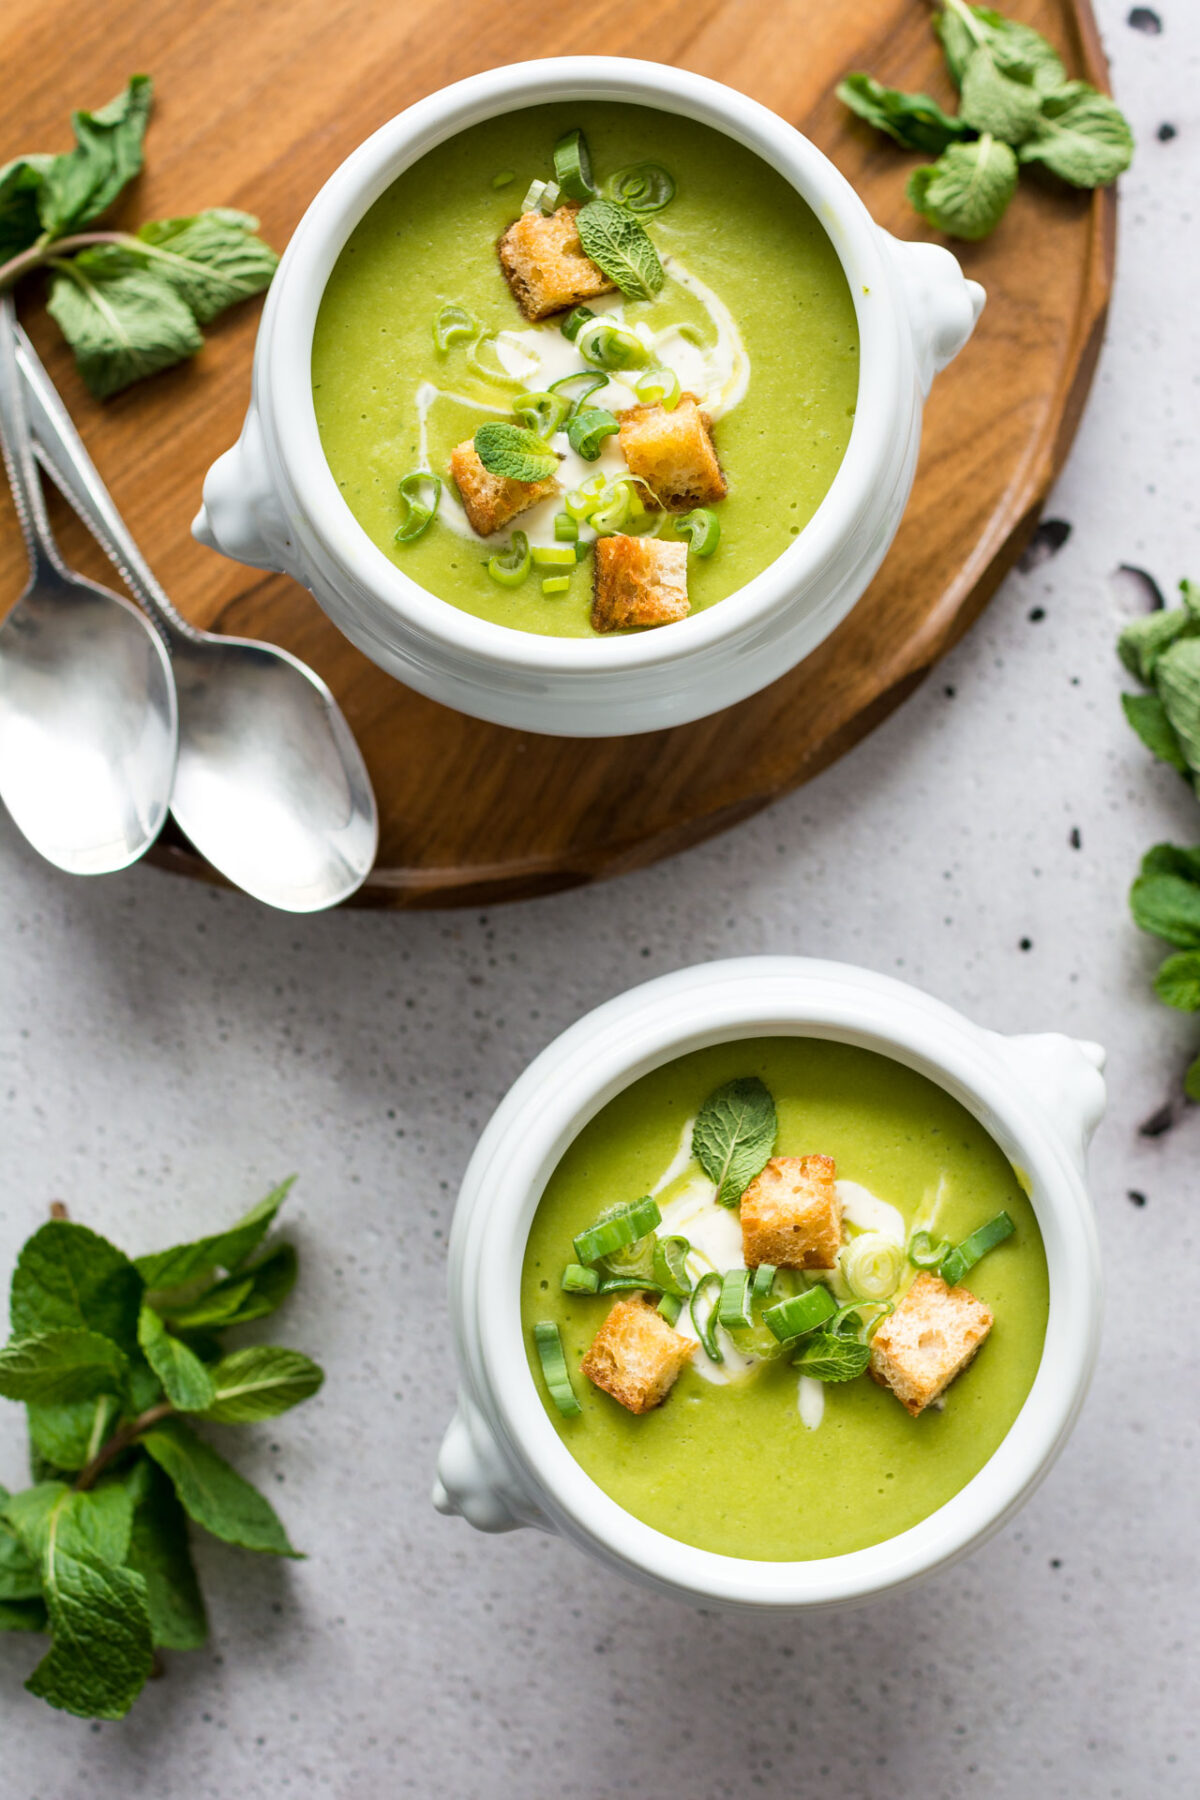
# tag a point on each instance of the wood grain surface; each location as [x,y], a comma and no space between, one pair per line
[257,104]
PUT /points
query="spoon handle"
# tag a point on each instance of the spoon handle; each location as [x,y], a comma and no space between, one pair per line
[64,456]
[16,443]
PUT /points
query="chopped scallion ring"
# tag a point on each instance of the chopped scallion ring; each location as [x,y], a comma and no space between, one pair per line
[848,1321]
[965,1255]
[624,1284]
[702,529]
[872,1264]
[643,187]
[543,414]
[420,496]
[578,1280]
[542,196]
[733,1308]
[581,502]
[454,325]
[670,1266]
[554,1368]
[923,1253]
[658,387]
[510,566]
[587,430]
[624,1226]
[803,1312]
[610,346]
[573,166]
[670,1306]
[764,1281]
[556,584]
[495,373]
[575,321]
[566,529]
[706,1327]
[553,556]
[590,379]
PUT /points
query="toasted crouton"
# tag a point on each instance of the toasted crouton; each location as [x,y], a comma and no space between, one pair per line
[673,453]
[545,265]
[638,581]
[791,1214]
[636,1356]
[490,501]
[927,1341]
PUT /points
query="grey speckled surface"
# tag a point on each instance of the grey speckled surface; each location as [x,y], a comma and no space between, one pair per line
[166,1051]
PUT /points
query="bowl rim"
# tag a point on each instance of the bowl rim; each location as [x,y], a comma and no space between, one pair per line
[883,392]
[693,1009]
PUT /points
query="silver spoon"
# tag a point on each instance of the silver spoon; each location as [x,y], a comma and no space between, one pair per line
[88,716]
[270,785]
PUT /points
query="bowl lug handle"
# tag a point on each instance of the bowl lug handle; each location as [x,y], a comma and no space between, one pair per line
[241,515]
[943,306]
[1064,1076]
[474,1479]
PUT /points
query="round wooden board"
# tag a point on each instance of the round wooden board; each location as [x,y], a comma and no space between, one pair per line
[257,106]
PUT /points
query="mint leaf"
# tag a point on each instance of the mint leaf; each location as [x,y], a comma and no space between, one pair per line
[1148,716]
[1172,859]
[734,1136]
[122,325]
[20,184]
[1191,1081]
[22,1615]
[53,1516]
[225,1250]
[259,1383]
[965,193]
[913,120]
[270,1281]
[1144,640]
[1178,981]
[1169,907]
[827,1357]
[62,1366]
[160,1553]
[81,184]
[1014,47]
[212,1493]
[214,1309]
[186,1381]
[1002,101]
[19,1579]
[513,452]
[102,1648]
[1082,136]
[1177,678]
[68,1436]
[69,1278]
[620,246]
[212,259]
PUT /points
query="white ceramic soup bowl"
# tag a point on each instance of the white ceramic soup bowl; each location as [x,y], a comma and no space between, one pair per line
[502,1463]
[272,501]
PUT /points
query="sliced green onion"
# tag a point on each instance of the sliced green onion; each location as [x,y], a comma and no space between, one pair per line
[626,1284]
[965,1255]
[454,325]
[618,508]
[587,430]
[503,178]
[643,187]
[872,1265]
[575,321]
[420,496]
[733,1308]
[923,1253]
[497,375]
[566,529]
[848,1319]
[764,1281]
[554,1368]
[610,346]
[658,387]
[542,196]
[803,1312]
[670,1266]
[565,385]
[706,1328]
[543,414]
[553,556]
[581,502]
[623,1226]
[578,1280]
[670,1306]
[573,166]
[556,584]
[510,566]
[702,529]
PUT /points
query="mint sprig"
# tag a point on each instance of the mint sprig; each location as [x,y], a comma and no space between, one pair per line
[734,1135]
[513,452]
[619,244]
[128,303]
[1017,107]
[113,1359]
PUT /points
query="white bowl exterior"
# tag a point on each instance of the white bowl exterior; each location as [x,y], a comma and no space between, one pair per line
[528,1476]
[273,500]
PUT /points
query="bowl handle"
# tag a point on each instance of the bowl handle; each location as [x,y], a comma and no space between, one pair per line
[1064,1076]
[241,515]
[475,1481]
[943,306]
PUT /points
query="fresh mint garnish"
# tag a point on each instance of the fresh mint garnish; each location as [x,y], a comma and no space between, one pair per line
[620,245]
[826,1356]
[513,452]
[111,1359]
[129,303]
[734,1136]
[967,191]
[913,120]
[1081,136]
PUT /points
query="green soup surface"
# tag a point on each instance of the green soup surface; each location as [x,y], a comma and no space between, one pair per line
[734,1468]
